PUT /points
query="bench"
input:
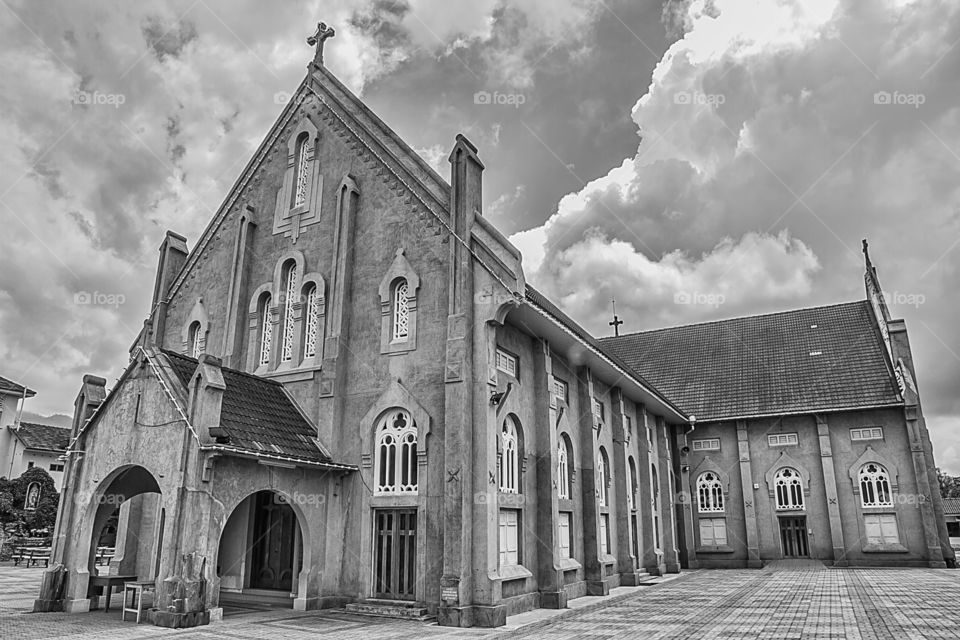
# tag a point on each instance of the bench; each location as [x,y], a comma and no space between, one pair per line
[31,556]
[105,555]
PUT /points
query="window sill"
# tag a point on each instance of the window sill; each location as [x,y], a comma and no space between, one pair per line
[408,499]
[291,374]
[568,564]
[514,500]
[514,572]
[606,558]
[884,548]
[715,549]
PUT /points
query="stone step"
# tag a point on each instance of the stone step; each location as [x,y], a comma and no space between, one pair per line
[390,609]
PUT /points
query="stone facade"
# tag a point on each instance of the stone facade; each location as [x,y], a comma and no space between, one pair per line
[299,279]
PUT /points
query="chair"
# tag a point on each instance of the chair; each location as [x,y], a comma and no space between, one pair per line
[136,589]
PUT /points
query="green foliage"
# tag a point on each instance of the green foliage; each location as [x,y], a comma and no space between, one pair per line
[17,519]
[949,485]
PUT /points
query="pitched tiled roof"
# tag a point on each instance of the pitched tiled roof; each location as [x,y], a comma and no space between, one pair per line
[9,386]
[817,359]
[43,436]
[951,506]
[257,415]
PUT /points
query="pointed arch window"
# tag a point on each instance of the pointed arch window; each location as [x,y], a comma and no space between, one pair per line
[289,300]
[603,478]
[789,489]
[312,323]
[195,335]
[564,464]
[301,172]
[875,486]
[396,453]
[266,331]
[709,493]
[510,456]
[401,311]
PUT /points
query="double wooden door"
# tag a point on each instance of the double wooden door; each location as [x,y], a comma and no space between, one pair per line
[395,554]
[793,537]
[274,543]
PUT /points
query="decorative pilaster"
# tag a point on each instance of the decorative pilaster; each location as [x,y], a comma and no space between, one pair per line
[749,497]
[830,489]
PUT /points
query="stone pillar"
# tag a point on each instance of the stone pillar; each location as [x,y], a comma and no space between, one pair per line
[592,567]
[931,534]
[238,285]
[749,497]
[668,490]
[830,489]
[685,506]
[549,573]
[627,562]
[652,560]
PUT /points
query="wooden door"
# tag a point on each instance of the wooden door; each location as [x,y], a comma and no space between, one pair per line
[395,554]
[274,531]
[793,537]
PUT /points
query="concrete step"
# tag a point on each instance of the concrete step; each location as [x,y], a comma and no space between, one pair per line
[390,609]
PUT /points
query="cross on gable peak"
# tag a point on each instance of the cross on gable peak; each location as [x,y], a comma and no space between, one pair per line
[322,33]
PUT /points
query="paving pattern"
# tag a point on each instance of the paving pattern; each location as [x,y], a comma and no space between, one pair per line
[792,601]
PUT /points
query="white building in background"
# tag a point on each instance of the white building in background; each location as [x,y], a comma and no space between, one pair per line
[25,445]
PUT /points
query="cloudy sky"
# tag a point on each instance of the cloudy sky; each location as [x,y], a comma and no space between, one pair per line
[696,160]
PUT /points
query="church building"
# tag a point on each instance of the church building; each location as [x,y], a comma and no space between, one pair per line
[346,394]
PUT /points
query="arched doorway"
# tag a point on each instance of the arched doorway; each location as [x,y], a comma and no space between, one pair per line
[260,553]
[128,528]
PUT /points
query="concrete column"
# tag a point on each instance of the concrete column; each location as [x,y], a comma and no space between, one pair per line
[749,497]
[549,574]
[931,534]
[668,491]
[830,489]
[593,569]
[627,562]
[652,559]
[685,503]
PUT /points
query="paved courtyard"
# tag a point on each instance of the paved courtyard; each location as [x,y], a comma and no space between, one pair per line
[776,602]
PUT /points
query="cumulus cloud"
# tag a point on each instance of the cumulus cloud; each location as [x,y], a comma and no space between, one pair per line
[775,135]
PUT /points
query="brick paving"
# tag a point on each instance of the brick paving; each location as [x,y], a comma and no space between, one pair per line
[792,601]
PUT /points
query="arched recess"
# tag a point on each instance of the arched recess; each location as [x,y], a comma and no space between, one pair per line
[708,464]
[400,270]
[130,496]
[290,217]
[254,327]
[870,455]
[409,508]
[197,315]
[315,282]
[262,548]
[785,460]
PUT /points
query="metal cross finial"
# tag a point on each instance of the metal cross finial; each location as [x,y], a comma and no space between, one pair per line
[616,321]
[317,39]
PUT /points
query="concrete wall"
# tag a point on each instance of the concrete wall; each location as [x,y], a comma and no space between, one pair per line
[809,457]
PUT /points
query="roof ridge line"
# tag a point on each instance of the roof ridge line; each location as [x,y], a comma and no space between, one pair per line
[747,317]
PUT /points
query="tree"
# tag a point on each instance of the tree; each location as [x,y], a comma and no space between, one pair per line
[949,485]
